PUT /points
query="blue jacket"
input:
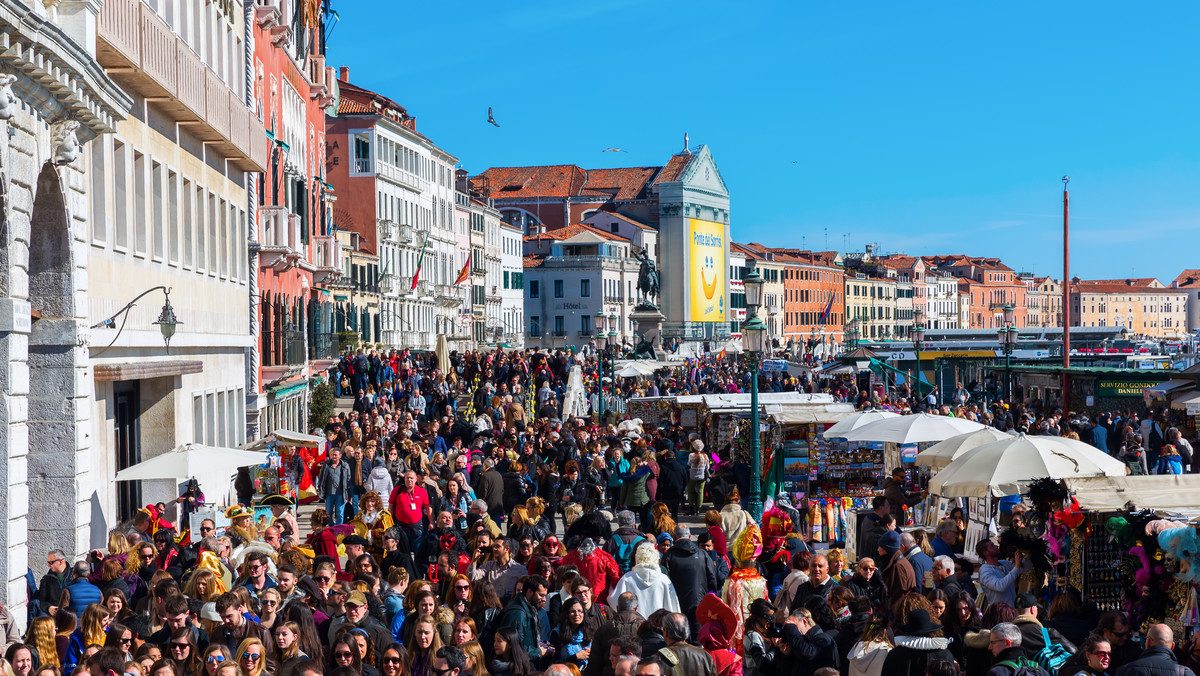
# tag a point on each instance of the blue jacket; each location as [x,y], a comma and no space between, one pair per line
[522,617]
[83,593]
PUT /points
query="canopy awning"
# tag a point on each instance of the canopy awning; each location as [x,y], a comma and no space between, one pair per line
[285,437]
[1170,492]
[1163,389]
[1180,402]
[809,413]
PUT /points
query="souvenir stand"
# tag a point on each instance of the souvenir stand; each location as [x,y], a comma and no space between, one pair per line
[271,477]
[1139,528]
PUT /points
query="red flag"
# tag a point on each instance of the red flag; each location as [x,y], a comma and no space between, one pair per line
[462,274]
[420,260]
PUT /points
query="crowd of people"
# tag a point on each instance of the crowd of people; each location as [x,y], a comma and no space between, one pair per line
[468,526]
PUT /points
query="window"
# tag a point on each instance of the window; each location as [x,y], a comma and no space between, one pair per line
[560,326]
[535,326]
[362,153]
[173,216]
[140,242]
[585,325]
[158,210]
[585,288]
[99,224]
[120,195]
[506,279]
[213,261]
[558,288]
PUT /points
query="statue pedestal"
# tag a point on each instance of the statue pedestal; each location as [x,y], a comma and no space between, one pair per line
[649,328]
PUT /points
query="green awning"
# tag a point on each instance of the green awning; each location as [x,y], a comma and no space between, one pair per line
[284,390]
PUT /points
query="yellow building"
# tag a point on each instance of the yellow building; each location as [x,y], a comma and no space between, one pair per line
[872,301]
[1145,307]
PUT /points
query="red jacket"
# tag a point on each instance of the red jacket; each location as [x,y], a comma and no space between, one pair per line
[600,569]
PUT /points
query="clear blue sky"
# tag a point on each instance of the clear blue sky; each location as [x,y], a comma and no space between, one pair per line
[925,127]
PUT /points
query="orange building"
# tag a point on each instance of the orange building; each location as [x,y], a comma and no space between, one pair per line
[814,301]
[992,285]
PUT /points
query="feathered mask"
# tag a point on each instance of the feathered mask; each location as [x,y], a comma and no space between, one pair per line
[748,545]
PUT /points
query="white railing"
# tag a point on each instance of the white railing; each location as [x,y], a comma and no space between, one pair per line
[274,226]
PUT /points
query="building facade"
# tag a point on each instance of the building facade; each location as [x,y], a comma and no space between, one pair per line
[395,188]
[173,205]
[294,254]
[1189,280]
[512,287]
[994,285]
[1044,300]
[1145,307]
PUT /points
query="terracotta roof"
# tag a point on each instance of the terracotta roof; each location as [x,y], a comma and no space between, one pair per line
[1128,281]
[628,183]
[557,180]
[674,168]
[1106,287]
[351,107]
[355,100]
[567,232]
[623,217]
[1188,279]
[533,261]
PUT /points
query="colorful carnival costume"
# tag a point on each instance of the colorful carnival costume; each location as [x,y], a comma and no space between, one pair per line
[744,584]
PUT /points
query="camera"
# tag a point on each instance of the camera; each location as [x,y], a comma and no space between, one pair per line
[775,631]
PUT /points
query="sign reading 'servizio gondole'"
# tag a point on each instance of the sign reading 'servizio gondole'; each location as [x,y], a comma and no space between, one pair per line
[1123,388]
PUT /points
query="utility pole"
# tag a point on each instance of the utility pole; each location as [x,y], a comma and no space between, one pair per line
[1066,348]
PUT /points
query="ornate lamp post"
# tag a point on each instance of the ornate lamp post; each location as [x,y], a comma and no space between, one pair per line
[852,335]
[754,336]
[917,333]
[613,345]
[1008,341]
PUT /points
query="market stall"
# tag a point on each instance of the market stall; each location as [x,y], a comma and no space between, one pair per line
[281,473]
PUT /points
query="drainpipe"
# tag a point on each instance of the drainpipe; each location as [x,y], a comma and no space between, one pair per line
[253,358]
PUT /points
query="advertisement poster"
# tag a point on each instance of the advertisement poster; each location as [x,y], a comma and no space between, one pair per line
[795,466]
[706,262]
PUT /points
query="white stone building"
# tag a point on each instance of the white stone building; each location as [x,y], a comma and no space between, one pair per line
[512,286]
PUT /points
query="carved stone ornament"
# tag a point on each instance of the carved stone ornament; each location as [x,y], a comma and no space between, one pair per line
[8,101]
[65,142]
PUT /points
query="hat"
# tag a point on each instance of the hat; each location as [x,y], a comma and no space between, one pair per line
[238,511]
[665,537]
[1026,600]
[357,598]
[276,501]
[355,539]
[919,624]
[420,470]
[697,445]
[890,542]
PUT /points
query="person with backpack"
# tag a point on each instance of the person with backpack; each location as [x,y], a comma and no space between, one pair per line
[1043,645]
[1004,642]
[624,540]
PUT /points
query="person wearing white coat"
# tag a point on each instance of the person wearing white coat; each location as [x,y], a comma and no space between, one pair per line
[647,582]
[380,480]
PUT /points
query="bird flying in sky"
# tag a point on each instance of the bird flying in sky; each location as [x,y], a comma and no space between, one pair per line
[612,150]
[492,119]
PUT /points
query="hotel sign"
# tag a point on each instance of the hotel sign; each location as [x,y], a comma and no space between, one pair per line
[1123,388]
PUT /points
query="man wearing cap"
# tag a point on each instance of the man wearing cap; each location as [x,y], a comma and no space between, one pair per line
[409,504]
[898,576]
[1031,628]
[355,546]
[357,614]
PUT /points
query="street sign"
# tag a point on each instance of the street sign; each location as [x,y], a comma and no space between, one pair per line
[774,365]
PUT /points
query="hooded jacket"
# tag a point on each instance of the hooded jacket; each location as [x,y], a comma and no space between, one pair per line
[913,653]
[599,569]
[647,582]
[379,480]
[866,659]
[692,572]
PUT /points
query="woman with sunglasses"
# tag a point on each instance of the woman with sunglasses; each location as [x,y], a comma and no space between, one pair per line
[1098,653]
[287,648]
[182,650]
[458,596]
[121,638]
[268,601]
[394,661]
[344,654]
[251,656]
[214,656]
[361,640]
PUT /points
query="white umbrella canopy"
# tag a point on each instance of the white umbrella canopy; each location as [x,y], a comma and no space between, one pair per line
[1004,467]
[213,467]
[940,454]
[443,353]
[856,421]
[912,429]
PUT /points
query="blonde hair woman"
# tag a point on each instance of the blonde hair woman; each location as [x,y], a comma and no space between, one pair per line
[200,586]
[251,656]
[41,637]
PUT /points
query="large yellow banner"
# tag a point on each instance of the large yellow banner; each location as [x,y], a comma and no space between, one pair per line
[706,266]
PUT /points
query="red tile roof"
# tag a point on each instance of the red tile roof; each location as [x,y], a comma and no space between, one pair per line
[567,232]
[533,261]
[674,168]
[623,217]
[1128,281]
[1188,279]
[355,100]
[628,183]
[1106,286]
[558,180]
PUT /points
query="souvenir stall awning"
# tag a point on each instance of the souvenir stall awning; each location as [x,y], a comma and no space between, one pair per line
[285,437]
[1005,467]
[912,429]
[1185,401]
[783,414]
[1178,493]
[212,466]
[716,402]
[856,421]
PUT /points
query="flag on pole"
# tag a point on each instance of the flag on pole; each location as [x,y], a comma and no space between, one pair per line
[462,274]
[722,355]
[420,260]
[828,309]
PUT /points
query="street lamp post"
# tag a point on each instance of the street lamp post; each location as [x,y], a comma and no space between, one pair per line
[754,333]
[1008,341]
[917,333]
[852,335]
[601,339]
[612,352]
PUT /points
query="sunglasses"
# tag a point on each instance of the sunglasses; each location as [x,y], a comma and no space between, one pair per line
[204,529]
[344,655]
[215,658]
[391,660]
[267,602]
[180,646]
[126,641]
[462,586]
[323,578]
[1102,653]
[253,657]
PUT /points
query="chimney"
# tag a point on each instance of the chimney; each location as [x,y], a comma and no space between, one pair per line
[344,74]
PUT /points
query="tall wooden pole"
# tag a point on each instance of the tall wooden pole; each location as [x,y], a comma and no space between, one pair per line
[1066,348]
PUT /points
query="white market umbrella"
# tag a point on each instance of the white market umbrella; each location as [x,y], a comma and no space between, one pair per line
[575,400]
[443,353]
[912,429]
[858,420]
[630,371]
[940,454]
[1004,467]
[213,467]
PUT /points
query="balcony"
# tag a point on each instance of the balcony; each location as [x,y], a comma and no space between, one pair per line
[327,256]
[406,234]
[141,52]
[283,348]
[388,230]
[425,289]
[448,295]
[560,334]
[279,245]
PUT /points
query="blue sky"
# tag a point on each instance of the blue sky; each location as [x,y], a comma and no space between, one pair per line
[924,127]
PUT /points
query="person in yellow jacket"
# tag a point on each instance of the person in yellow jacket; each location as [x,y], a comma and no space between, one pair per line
[371,521]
